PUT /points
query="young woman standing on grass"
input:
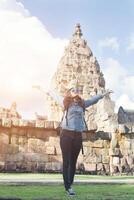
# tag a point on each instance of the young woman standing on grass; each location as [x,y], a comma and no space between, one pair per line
[72,126]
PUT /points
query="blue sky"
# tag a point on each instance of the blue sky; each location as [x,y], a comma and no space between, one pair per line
[98,18]
[34,33]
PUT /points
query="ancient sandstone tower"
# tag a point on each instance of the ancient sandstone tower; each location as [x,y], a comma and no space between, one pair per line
[78,63]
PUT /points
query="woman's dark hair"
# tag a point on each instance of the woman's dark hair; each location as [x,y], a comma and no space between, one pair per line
[68,100]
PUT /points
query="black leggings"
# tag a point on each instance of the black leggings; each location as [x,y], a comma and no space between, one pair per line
[71,143]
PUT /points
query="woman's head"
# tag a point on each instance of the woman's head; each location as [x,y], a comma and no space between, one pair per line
[75,92]
[74,88]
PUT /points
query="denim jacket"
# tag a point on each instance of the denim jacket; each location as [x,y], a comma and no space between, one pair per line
[74,119]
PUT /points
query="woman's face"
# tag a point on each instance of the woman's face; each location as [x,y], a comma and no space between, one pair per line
[75,92]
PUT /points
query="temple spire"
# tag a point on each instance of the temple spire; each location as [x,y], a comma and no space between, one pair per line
[78,31]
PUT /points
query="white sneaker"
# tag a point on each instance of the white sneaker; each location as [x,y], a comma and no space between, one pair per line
[70,191]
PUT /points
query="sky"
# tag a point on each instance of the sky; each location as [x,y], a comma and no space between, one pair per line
[34,33]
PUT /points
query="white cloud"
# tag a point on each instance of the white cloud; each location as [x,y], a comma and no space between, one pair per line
[121,82]
[13,5]
[29,54]
[109,42]
[131,43]
[125,102]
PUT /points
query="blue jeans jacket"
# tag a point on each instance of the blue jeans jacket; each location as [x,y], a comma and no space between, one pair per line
[74,119]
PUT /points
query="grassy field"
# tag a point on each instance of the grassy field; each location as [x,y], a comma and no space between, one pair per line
[88,192]
[43,176]
[84,192]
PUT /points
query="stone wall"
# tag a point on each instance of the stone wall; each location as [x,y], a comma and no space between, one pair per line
[36,149]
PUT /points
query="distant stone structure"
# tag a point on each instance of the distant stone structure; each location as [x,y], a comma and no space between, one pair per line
[10,113]
[125,116]
[33,145]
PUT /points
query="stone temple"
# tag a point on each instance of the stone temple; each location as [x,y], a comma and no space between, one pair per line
[78,63]
[33,145]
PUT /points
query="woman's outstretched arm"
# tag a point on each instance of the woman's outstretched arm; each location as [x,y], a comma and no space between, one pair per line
[93,100]
[96,98]
[56,97]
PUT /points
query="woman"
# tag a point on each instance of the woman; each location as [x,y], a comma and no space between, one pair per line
[73,124]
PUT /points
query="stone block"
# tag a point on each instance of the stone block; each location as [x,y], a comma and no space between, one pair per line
[106,144]
[93,158]
[40,123]
[88,143]
[54,158]
[23,122]
[50,150]
[105,156]
[99,166]
[114,152]
[32,123]
[105,159]
[14,139]
[127,144]
[98,144]
[130,160]
[90,167]
[2,156]
[22,141]
[4,138]
[12,149]
[56,166]
[49,124]
[48,166]
[116,161]
[35,157]
[58,150]
[3,148]
[10,166]
[15,122]
[54,140]
[36,146]
[2,165]
[56,124]
[18,157]
[87,150]
[6,122]
[106,168]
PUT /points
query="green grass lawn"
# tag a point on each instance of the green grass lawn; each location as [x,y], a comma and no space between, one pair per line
[84,192]
[43,176]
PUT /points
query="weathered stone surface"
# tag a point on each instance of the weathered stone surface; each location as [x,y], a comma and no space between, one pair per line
[6,122]
[36,157]
[14,139]
[2,165]
[16,122]
[4,138]
[98,143]
[116,161]
[105,156]
[49,124]
[114,152]
[40,123]
[79,63]
[23,122]
[50,150]
[90,167]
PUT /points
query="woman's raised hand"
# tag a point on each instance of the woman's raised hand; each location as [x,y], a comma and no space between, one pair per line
[107,92]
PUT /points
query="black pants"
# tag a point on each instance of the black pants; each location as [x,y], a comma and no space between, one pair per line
[71,143]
